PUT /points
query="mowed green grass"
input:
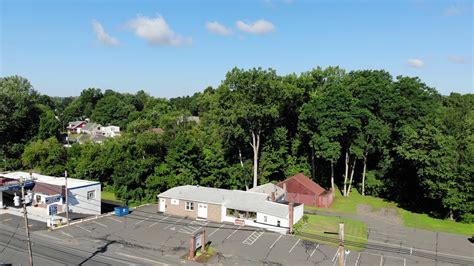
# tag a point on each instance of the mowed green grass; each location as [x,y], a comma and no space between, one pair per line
[354,231]
[109,196]
[410,219]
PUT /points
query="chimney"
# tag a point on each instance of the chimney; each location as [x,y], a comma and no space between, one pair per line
[290,216]
[284,192]
[273,196]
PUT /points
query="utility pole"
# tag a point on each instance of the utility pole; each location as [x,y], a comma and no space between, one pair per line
[67,201]
[25,214]
[341,245]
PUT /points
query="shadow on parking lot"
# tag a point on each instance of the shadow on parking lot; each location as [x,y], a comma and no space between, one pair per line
[102,249]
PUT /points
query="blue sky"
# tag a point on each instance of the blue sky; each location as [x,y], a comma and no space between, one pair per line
[175,48]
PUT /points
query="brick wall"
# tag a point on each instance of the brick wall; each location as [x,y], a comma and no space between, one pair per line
[213,210]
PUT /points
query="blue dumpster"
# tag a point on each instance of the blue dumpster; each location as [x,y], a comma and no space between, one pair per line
[118,211]
[125,210]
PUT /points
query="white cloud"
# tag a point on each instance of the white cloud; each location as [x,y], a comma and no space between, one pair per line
[102,36]
[415,62]
[459,59]
[259,27]
[217,28]
[457,10]
[156,31]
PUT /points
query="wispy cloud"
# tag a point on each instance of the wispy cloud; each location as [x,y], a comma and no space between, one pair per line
[415,62]
[156,31]
[457,9]
[259,27]
[217,28]
[102,36]
[459,59]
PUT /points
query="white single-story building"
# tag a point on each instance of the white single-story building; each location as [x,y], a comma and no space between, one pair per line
[234,206]
[84,196]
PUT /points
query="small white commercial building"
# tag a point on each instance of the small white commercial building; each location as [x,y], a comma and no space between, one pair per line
[233,206]
[84,196]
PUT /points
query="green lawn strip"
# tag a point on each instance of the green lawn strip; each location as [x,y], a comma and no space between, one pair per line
[355,231]
[423,221]
[106,195]
[410,219]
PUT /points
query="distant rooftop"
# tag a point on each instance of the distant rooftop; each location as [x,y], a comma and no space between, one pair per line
[232,199]
[58,181]
[268,188]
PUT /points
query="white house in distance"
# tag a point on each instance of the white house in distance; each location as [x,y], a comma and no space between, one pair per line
[234,206]
[84,196]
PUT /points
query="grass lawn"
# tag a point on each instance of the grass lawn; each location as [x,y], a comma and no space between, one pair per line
[109,196]
[410,219]
[355,231]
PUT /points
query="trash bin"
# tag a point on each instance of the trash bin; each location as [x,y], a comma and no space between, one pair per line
[125,210]
[118,211]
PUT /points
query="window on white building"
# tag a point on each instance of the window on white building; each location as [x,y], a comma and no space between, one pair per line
[91,195]
[189,206]
[175,201]
[264,219]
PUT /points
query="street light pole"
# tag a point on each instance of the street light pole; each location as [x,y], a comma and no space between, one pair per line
[67,201]
[25,215]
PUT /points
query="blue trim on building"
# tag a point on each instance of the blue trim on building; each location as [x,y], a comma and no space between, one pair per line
[84,186]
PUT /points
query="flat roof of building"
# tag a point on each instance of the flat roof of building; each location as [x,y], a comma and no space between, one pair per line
[57,181]
[232,199]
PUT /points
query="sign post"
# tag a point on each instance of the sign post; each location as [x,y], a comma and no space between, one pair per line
[197,241]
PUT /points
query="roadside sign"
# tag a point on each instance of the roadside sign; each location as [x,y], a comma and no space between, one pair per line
[52,209]
[198,240]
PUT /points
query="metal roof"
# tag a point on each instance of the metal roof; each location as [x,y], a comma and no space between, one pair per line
[58,181]
[232,199]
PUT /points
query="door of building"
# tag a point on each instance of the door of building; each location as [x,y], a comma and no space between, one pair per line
[202,210]
[162,205]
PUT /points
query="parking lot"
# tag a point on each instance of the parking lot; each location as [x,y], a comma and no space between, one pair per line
[147,236]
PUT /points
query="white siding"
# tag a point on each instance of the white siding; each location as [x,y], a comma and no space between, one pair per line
[271,220]
[298,213]
[79,203]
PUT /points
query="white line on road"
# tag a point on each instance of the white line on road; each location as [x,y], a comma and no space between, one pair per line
[215,231]
[233,233]
[87,230]
[101,224]
[155,223]
[312,253]
[357,261]
[117,220]
[381,260]
[52,237]
[177,221]
[66,234]
[294,246]
[140,258]
[6,220]
[275,241]
[146,219]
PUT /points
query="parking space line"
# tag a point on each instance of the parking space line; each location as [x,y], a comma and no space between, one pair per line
[294,246]
[66,234]
[312,253]
[381,260]
[6,220]
[101,224]
[48,236]
[252,237]
[275,241]
[155,223]
[112,218]
[154,262]
[146,219]
[357,261]
[215,230]
[87,230]
[233,232]
[177,221]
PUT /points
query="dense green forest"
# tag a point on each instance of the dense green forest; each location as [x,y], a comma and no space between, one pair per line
[394,138]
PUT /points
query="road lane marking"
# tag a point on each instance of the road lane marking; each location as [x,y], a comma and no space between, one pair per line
[357,261]
[177,221]
[233,232]
[117,220]
[66,234]
[52,237]
[146,219]
[294,246]
[254,236]
[140,258]
[87,230]
[275,241]
[101,224]
[6,220]
[215,231]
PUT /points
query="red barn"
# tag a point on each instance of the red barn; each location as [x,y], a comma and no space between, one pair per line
[301,189]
